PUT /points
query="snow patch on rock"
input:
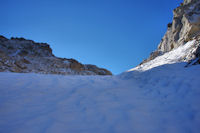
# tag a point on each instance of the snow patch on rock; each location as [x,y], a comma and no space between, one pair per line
[181,54]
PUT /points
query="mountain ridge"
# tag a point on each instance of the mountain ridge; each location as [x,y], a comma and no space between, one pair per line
[26,56]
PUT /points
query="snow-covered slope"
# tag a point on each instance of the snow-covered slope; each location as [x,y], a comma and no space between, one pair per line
[159,96]
[183,53]
[163,99]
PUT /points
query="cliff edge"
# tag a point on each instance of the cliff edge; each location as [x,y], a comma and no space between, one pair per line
[184,28]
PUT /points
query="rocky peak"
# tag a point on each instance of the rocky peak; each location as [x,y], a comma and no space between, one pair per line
[21,46]
[22,55]
[184,27]
[185,2]
[2,38]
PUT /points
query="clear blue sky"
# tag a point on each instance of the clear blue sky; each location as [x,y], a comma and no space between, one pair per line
[114,34]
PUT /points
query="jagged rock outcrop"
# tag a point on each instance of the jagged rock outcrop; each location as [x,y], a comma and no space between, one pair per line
[26,56]
[184,27]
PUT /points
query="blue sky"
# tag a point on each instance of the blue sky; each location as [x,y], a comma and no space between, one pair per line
[114,34]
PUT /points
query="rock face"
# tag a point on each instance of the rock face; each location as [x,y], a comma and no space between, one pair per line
[26,56]
[184,27]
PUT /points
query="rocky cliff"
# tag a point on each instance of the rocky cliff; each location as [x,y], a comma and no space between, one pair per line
[184,27]
[26,56]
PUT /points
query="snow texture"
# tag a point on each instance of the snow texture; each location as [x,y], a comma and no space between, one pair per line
[161,97]
[164,99]
[177,55]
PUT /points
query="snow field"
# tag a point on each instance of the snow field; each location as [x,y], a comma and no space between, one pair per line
[163,99]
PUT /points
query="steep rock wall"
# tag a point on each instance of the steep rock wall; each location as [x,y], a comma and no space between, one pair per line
[184,27]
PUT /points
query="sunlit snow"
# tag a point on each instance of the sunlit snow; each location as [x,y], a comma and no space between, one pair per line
[161,98]
[174,56]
